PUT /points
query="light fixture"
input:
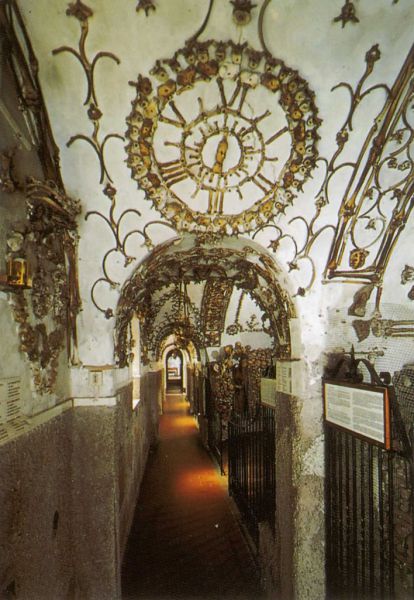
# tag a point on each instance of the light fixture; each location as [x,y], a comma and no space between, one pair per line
[18,274]
[182,325]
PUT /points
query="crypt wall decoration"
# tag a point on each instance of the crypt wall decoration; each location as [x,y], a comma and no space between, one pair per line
[235,378]
[368,222]
[216,298]
[35,130]
[407,275]
[252,324]
[378,198]
[110,215]
[46,314]
[246,268]
[349,13]
[40,226]
[221,137]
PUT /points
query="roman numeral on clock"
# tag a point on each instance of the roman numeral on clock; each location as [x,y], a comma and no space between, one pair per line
[177,113]
[228,103]
[178,122]
[215,201]
[172,172]
[263,183]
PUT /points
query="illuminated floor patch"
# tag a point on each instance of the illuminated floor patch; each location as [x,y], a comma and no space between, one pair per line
[185,542]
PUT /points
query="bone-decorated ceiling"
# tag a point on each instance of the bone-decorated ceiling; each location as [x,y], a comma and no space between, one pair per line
[289,123]
[158,290]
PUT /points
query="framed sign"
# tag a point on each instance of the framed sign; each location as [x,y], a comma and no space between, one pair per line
[289,377]
[10,398]
[360,409]
[284,376]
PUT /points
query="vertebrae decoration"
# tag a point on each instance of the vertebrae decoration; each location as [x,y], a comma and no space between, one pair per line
[368,216]
[46,315]
[198,264]
[83,13]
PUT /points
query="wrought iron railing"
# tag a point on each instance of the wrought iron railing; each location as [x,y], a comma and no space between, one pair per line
[369,510]
[251,464]
[214,426]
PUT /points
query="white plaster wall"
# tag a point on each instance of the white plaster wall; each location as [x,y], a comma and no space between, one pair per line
[25,162]
[300,32]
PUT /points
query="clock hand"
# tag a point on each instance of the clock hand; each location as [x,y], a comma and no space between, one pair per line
[220,155]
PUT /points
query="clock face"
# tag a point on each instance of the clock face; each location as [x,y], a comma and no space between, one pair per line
[221,137]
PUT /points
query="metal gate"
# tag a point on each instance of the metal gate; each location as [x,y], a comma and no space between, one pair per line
[214,426]
[252,467]
[369,508]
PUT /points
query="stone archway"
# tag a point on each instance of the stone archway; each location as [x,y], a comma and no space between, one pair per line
[153,294]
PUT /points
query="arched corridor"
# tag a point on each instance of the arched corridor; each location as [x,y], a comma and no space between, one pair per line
[185,540]
[206,239]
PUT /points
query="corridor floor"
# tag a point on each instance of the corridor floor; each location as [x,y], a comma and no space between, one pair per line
[185,541]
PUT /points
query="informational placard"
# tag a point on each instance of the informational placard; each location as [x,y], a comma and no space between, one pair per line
[361,409]
[268,392]
[10,398]
[284,377]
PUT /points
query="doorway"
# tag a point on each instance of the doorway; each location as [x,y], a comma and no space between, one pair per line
[174,371]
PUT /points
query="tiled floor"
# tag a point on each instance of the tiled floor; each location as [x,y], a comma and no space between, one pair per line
[185,541]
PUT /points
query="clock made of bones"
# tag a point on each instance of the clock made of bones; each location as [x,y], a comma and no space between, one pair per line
[221,137]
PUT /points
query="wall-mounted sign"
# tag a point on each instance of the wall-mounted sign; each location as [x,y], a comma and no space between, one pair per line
[361,409]
[284,377]
[10,398]
[268,392]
